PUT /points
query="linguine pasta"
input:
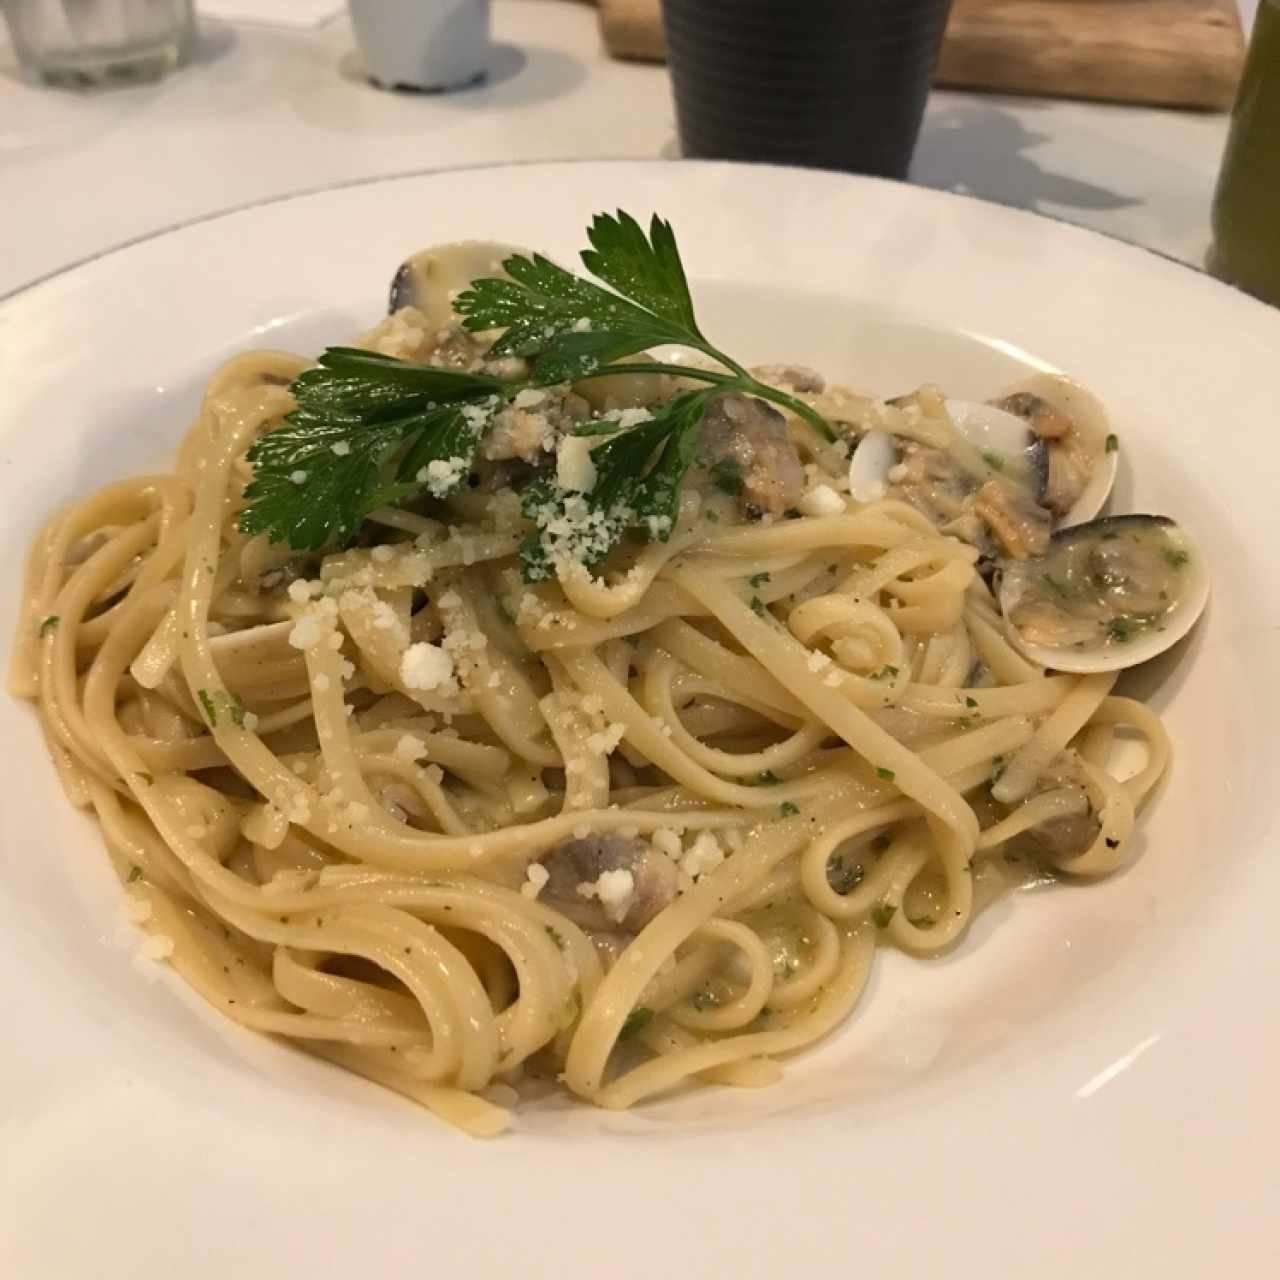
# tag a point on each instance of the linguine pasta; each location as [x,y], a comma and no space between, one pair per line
[628,832]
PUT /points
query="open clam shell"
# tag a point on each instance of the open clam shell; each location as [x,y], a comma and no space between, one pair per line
[1048,433]
[433,278]
[1109,594]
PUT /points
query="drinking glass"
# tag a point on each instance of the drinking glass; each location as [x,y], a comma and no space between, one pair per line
[86,43]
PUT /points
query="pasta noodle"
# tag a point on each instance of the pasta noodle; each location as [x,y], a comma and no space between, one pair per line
[814,724]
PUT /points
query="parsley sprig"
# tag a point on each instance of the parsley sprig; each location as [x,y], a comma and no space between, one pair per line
[370,430]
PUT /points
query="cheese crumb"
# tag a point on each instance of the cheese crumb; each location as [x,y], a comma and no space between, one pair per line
[615,889]
[314,624]
[381,553]
[410,748]
[821,500]
[536,876]
[575,469]
[667,840]
[159,946]
[606,742]
[705,854]
[427,666]
[443,475]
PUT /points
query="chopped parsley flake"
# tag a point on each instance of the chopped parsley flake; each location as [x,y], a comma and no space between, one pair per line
[885,673]
[135,873]
[757,580]
[993,460]
[788,810]
[757,606]
[1175,558]
[210,711]
[49,625]
[971,702]
[1113,443]
[768,779]
[555,936]
[881,914]
[887,774]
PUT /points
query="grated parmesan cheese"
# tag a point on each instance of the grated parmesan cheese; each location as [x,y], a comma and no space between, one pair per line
[427,666]
[821,500]
[615,890]
[159,946]
[536,876]
[705,854]
[667,840]
[575,469]
[606,742]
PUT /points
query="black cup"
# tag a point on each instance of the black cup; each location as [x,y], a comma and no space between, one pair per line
[834,84]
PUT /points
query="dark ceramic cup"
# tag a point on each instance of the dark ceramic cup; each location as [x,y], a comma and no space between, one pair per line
[834,84]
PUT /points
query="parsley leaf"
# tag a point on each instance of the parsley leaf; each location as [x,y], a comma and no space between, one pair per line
[882,913]
[49,625]
[648,271]
[568,326]
[317,477]
[886,774]
[788,810]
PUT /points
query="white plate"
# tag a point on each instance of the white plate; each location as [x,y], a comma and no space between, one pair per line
[1085,1088]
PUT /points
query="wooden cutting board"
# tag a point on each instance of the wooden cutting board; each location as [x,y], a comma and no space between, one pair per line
[1178,53]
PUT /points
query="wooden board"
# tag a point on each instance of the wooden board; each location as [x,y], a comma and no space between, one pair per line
[1182,53]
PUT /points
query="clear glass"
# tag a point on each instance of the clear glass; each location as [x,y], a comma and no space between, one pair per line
[85,43]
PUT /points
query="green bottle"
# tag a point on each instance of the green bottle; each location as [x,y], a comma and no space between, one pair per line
[1246,206]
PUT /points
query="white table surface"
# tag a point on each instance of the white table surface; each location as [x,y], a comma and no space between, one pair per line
[265,111]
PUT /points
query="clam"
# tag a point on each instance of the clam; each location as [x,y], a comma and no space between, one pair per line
[1049,437]
[433,278]
[1108,594]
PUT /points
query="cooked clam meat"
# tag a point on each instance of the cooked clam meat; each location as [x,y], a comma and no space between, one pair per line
[1100,584]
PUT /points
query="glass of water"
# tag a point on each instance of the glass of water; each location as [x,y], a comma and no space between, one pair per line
[86,43]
